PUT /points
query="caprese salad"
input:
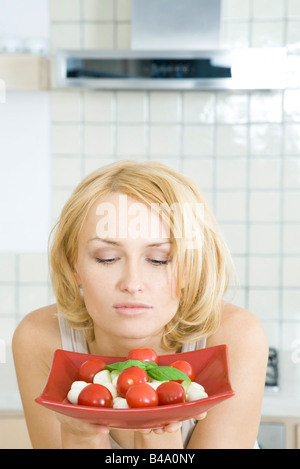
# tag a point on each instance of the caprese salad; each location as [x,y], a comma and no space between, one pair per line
[136,382]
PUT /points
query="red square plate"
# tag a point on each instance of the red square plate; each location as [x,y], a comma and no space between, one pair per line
[211,369]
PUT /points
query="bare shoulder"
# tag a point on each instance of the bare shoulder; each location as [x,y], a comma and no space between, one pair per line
[240,328]
[40,324]
[38,335]
[34,342]
[235,423]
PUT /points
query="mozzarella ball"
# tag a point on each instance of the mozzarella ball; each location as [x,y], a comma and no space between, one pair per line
[111,388]
[102,377]
[79,384]
[114,377]
[120,403]
[195,392]
[154,384]
[75,390]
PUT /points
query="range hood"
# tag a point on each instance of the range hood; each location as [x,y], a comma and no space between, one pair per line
[175,45]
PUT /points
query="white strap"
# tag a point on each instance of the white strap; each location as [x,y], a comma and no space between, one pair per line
[72,339]
[191,346]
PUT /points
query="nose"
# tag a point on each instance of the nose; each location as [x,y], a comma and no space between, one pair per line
[131,279]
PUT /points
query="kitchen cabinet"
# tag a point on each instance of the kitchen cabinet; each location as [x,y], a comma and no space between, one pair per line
[290,429]
[298,437]
[24,72]
[13,431]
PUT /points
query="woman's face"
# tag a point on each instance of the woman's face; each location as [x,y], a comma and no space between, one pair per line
[124,267]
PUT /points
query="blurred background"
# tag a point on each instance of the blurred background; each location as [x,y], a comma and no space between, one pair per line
[242,146]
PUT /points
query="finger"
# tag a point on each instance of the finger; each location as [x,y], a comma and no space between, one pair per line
[200,416]
[159,431]
[102,430]
[173,427]
[170,428]
[146,431]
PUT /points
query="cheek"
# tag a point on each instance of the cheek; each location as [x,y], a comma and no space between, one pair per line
[97,284]
[166,292]
[90,278]
[97,295]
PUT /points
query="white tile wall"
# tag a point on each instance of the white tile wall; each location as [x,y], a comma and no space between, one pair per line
[242,148]
[98,106]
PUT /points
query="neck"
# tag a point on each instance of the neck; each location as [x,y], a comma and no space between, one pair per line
[120,346]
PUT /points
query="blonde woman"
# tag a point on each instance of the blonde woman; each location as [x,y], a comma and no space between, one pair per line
[137,261]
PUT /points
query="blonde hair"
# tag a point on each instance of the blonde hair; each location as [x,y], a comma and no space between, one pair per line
[206,270]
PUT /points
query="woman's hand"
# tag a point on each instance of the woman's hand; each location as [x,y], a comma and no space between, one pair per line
[173,426]
[168,437]
[77,433]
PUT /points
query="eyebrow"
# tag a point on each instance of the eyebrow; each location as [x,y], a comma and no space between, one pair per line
[115,243]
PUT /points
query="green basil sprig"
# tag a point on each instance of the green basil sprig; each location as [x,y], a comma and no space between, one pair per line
[167,373]
[120,366]
[159,373]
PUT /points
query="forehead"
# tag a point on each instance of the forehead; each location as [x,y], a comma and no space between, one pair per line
[120,216]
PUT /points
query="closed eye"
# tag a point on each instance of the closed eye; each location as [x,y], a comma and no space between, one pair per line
[106,261]
[157,262]
[154,262]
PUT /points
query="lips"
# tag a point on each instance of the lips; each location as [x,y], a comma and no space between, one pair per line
[132,308]
[132,305]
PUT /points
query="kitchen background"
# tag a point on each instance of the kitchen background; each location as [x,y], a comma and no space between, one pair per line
[243,148]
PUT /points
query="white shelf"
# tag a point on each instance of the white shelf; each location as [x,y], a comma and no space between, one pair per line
[24,72]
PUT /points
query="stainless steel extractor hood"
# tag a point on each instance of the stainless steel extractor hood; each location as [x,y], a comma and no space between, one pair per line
[176,24]
[175,45]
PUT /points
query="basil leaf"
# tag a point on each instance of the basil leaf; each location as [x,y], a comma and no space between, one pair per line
[120,366]
[150,365]
[167,373]
[160,373]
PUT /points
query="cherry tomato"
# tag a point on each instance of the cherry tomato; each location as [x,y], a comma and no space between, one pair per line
[143,354]
[141,395]
[95,395]
[89,368]
[186,368]
[170,392]
[130,376]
